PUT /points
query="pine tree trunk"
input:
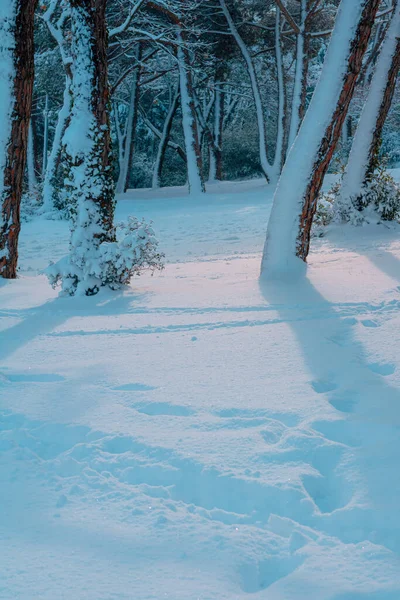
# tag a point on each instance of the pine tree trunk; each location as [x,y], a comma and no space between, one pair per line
[383,112]
[366,143]
[295,200]
[17,71]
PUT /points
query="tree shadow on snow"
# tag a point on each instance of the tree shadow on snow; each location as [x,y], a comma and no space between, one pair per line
[44,319]
[366,416]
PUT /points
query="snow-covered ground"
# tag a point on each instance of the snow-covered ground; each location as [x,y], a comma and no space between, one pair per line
[199,436]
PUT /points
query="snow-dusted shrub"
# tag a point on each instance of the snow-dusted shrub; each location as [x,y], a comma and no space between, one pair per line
[325,210]
[111,264]
[378,200]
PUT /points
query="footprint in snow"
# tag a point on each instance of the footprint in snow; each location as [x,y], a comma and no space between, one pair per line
[134,387]
[382,368]
[31,377]
[369,323]
[323,386]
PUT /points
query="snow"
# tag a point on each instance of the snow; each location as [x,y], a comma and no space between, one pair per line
[200,435]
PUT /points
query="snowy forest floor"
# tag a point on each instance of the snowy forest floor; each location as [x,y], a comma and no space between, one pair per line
[199,436]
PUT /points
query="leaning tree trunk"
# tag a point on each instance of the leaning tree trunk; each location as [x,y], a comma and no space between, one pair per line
[262,141]
[16,85]
[366,143]
[88,147]
[295,201]
[189,121]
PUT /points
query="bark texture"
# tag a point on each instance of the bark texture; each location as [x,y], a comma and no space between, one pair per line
[23,60]
[383,112]
[332,134]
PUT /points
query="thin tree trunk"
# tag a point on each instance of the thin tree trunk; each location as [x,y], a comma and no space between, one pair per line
[16,85]
[301,74]
[366,143]
[56,148]
[32,180]
[162,146]
[262,142]
[280,135]
[216,172]
[130,129]
[189,121]
[295,200]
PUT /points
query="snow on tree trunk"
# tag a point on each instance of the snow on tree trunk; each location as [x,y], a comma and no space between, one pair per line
[301,73]
[88,148]
[32,180]
[215,173]
[162,147]
[262,142]
[189,121]
[49,192]
[130,129]
[295,200]
[16,84]
[367,139]
[280,136]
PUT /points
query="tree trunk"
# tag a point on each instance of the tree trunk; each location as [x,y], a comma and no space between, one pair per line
[88,146]
[16,85]
[162,147]
[367,140]
[262,142]
[216,172]
[295,200]
[301,74]
[49,192]
[32,180]
[130,129]
[189,121]
[280,134]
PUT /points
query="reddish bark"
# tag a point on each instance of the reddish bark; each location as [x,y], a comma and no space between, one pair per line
[333,131]
[18,141]
[383,111]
